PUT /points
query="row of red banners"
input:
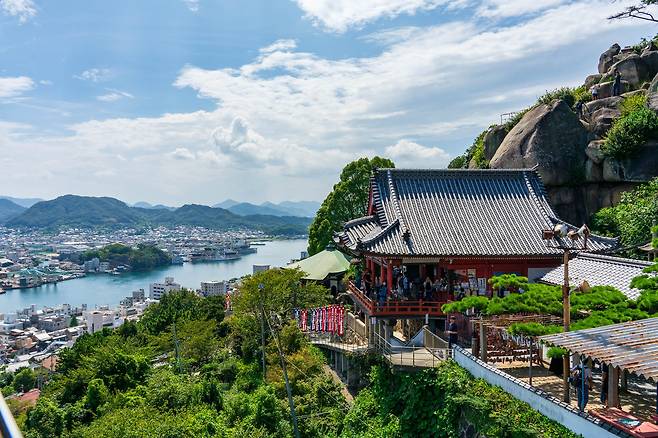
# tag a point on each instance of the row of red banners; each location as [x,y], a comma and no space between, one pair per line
[328,319]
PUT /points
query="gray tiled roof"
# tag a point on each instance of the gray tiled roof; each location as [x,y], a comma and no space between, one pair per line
[458,212]
[600,270]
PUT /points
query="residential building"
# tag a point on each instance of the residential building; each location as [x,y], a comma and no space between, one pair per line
[157,290]
[213,288]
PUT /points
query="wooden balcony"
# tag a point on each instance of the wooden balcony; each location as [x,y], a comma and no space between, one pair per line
[395,308]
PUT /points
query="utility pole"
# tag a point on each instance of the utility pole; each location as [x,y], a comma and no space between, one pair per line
[291,402]
[562,231]
[261,286]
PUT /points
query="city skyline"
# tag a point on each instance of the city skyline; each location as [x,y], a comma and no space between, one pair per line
[193,101]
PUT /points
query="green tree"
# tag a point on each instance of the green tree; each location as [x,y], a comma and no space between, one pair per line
[348,200]
[631,219]
[97,394]
[24,380]
[46,420]
[73,322]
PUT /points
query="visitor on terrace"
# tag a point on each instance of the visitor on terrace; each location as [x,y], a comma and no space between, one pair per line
[428,289]
[452,332]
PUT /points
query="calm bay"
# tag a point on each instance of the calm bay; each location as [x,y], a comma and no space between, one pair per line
[101,289]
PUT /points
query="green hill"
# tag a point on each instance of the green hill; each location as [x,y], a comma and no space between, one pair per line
[93,212]
[9,209]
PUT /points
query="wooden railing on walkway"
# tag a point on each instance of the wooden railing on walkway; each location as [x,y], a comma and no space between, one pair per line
[395,308]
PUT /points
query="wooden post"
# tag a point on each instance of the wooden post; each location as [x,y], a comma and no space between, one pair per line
[566,319]
[613,386]
[530,367]
[389,277]
[483,342]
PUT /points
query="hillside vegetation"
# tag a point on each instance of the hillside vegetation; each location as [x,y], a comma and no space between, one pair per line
[94,212]
[185,371]
[141,258]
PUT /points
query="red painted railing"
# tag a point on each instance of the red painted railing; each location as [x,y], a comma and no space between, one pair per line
[395,307]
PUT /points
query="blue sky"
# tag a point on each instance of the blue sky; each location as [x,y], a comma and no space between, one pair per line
[180,101]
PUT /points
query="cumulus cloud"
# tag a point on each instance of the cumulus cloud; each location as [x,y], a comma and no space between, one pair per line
[406,153]
[15,86]
[23,9]
[279,45]
[291,118]
[114,95]
[514,8]
[339,15]
[182,154]
[95,75]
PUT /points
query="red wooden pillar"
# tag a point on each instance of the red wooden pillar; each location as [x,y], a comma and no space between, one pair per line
[382,271]
[389,277]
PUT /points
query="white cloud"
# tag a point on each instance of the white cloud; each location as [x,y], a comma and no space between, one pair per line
[291,118]
[23,9]
[15,86]
[280,45]
[406,153]
[514,8]
[192,5]
[339,15]
[182,154]
[95,75]
[114,95]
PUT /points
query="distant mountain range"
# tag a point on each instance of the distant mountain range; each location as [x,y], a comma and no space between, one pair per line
[286,208]
[104,212]
[23,202]
[9,209]
[143,204]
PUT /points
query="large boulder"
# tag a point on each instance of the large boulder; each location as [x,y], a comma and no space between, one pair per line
[601,121]
[607,58]
[608,102]
[650,60]
[493,139]
[593,172]
[652,94]
[605,88]
[642,167]
[592,80]
[549,135]
[594,152]
[632,69]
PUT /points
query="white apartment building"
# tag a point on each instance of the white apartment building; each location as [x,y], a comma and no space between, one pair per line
[213,288]
[157,290]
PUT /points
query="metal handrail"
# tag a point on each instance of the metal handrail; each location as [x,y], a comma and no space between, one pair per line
[8,426]
[388,350]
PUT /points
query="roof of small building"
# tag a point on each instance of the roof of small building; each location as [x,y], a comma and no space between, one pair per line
[600,270]
[322,264]
[632,346]
[459,212]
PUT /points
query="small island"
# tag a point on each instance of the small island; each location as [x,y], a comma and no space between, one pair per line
[141,258]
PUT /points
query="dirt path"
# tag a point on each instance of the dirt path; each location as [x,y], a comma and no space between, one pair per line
[349,398]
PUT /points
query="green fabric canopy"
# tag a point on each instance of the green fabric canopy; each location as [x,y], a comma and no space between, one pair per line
[319,266]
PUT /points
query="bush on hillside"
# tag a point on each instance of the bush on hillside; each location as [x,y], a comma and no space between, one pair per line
[630,132]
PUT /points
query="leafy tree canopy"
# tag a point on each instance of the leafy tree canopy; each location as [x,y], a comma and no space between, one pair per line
[348,200]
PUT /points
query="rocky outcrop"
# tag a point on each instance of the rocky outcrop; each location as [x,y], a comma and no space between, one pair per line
[493,139]
[652,94]
[549,135]
[607,58]
[632,69]
[641,167]
[579,178]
